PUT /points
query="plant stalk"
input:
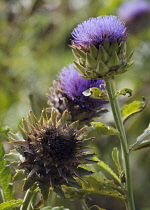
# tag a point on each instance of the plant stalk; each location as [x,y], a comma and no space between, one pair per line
[110,87]
[84,205]
[27,200]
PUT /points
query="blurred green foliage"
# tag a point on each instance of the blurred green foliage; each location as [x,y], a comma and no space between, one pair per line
[34,38]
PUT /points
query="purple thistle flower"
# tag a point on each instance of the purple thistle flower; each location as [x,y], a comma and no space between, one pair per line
[96,30]
[130,9]
[72,84]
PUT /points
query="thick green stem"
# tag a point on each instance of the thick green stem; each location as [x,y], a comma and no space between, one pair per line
[110,87]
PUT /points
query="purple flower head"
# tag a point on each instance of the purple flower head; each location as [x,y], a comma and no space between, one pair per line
[72,84]
[131,9]
[96,30]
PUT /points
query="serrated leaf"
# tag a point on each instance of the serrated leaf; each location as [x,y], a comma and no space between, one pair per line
[10,204]
[96,183]
[132,109]
[96,93]
[144,135]
[124,92]
[107,168]
[115,156]
[100,185]
[104,129]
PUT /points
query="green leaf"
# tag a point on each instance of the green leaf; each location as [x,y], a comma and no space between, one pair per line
[144,135]
[2,151]
[98,183]
[104,129]
[115,156]
[10,204]
[132,109]
[96,93]
[3,133]
[20,175]
[124,92]
[108,169]
[143,145]
[5,177]
[12,156]
[9,192]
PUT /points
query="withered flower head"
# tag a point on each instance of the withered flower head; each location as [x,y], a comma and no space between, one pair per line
[50,152]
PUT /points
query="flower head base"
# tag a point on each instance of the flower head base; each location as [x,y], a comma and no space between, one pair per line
[136,14]
[100,48]
[50,152]
[68,94]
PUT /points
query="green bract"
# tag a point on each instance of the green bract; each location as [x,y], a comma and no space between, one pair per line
[102,63]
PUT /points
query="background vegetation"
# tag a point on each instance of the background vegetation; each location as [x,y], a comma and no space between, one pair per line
[34,38]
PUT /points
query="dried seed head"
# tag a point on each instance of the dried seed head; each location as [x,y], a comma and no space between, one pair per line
[51,152]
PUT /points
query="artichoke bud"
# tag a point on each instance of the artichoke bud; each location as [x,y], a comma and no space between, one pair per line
[50,151]
[102,60]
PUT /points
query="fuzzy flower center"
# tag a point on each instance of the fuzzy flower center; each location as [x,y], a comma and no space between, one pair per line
[96,30]
[59,143]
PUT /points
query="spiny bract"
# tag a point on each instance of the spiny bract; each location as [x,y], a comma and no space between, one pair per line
[50,152]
